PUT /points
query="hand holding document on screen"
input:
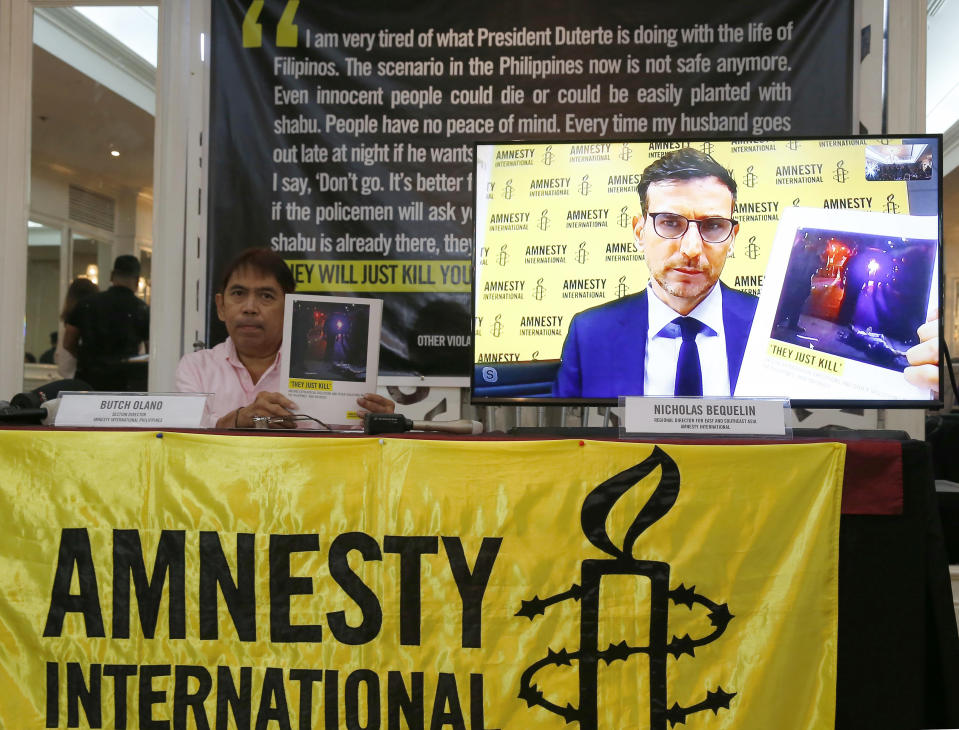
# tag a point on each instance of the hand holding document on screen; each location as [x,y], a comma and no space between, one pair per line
[923,370]
[844,296]
[330,353]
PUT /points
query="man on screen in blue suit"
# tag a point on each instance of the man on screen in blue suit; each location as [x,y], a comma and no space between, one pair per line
[683,335]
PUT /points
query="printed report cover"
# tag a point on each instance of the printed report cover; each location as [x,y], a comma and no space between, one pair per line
[331,349]
[842,298]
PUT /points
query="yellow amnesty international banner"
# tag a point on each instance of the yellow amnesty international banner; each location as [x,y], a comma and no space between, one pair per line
[198,581]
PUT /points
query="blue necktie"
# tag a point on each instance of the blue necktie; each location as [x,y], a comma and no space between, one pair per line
[689,374]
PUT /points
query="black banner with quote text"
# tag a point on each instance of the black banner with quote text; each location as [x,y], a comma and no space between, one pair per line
[341,135]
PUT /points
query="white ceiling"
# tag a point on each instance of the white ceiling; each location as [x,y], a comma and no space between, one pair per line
[78,121]
[94,95]
[134,27]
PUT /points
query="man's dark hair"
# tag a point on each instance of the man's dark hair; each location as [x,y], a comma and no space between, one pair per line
[126,267]
[685,163]
[263,261]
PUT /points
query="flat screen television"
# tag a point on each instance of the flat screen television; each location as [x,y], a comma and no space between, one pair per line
[810,262]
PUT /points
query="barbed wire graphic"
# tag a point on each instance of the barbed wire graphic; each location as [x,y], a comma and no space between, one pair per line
[596,508]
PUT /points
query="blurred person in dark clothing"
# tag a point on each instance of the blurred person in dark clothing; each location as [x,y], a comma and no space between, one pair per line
[80,288]
[104,331]
[47,356]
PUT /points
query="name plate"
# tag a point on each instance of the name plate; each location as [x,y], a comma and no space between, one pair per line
[131,410]
[706,416]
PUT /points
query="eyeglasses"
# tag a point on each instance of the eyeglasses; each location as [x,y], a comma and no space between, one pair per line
[711,230]
[266,421]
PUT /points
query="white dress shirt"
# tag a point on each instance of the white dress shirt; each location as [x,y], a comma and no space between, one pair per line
[663,340]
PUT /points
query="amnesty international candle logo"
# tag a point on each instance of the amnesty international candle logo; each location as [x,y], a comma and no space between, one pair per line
[502,258]
[582,254]
[621,289]
[584,187]
[508,189]
[707,147]
[539,291]
[548,156]
[358,588]
[752,249]
[497,328]
[793,145]
[625,153]
[625,219]
[891,206]
[750,179]
[544,220]
[840,174]
[597,507]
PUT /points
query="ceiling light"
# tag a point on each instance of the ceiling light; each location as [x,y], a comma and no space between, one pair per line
[115,153]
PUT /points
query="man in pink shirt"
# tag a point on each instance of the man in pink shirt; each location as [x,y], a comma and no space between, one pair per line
[243,373]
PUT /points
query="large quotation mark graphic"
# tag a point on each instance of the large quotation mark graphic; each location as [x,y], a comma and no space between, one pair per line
[286,31]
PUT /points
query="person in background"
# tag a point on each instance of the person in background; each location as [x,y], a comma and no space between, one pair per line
[104,331]
[243,373]
[79,289]
[46,357]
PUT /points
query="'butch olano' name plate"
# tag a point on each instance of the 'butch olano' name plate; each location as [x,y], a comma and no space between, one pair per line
[131,410]
[706,416]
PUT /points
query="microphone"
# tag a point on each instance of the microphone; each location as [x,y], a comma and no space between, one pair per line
[48,391]
[377,423]
[40,405]
[25,416]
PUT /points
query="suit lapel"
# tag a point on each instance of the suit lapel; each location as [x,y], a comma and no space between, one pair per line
[736,327]
[633,323]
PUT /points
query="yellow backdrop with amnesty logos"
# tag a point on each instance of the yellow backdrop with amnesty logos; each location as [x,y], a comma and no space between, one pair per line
[559,233]
[340,582]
